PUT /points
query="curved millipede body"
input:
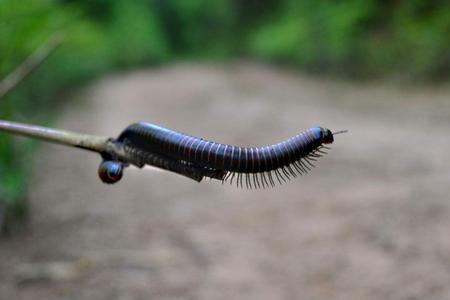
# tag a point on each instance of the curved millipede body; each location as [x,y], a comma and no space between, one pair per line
[257,166]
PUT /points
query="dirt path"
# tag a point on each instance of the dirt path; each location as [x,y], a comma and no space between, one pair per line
[371,222]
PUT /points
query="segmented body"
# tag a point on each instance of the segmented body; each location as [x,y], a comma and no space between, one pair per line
[283,160]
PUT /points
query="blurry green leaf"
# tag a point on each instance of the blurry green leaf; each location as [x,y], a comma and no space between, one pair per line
[136,34]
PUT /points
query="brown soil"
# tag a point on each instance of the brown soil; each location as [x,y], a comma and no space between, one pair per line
[372,221]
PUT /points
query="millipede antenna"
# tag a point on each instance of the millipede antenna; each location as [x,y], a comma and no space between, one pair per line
[340,132]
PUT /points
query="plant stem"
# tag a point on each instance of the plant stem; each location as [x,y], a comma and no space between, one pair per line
[30,64]
[68,138]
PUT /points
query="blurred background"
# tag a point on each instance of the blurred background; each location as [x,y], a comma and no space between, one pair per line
[371,221]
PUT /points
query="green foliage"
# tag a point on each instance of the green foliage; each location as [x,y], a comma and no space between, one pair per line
[199,27]
[135,34]
[313,34]
[23,27]
[358,38]
[415,40]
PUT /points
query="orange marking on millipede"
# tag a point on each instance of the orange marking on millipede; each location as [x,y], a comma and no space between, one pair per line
[223,156]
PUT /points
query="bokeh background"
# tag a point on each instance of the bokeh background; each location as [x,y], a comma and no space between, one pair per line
[371,221]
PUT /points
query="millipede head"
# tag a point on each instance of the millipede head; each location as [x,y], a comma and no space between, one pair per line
[327,136]
[323,134]
[110,171]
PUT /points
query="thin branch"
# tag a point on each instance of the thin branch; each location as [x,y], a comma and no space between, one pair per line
[99,144]
[102,145]
[68,138]
[30,64]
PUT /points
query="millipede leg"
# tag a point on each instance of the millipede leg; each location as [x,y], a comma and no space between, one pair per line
[240,179]
[272,182]
[288,176]
[256,180]
[224,179]
[309,162]
[321,152]
[304,165]
[248,183]
[289,168]
[277,176]
[264,180]
[232,177]
[297,168]
[291,171]
[281,175]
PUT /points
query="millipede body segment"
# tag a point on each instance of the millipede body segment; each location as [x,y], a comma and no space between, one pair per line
[254,167]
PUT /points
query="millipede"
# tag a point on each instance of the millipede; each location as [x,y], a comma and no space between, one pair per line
[252,167]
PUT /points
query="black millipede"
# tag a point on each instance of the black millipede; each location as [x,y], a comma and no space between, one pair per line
[254,167]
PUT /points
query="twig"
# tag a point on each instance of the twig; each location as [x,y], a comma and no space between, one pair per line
[104,146]
[68,138]
[30,64]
